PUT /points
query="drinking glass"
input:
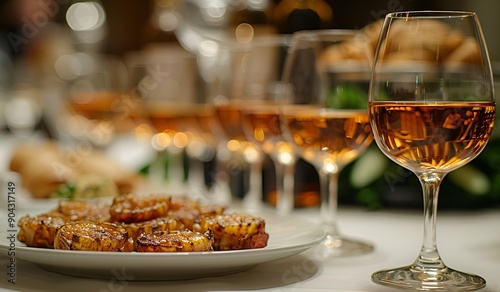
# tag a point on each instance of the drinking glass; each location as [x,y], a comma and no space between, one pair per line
[94,100]
[432,111]
[164,83]
[261,119]
[263,127]
[242,152]
[247,71]
[326,118]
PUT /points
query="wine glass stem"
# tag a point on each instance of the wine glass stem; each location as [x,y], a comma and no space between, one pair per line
[157,171]
[175,171]
[284,187]
[329,201]
[428,257]
[253,197]
[220,189]
[196,176]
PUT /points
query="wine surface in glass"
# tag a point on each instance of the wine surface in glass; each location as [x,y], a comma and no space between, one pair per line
[323,134]
[95,105]
[172,118]
[264,127]
[230,118]
[432,136]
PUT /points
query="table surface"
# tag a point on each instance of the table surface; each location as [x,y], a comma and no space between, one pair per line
[467,240]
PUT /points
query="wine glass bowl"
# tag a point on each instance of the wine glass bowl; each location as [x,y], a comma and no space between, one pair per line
[432,111]
[183,130]
[328,139]
[246,99]
[326,118]
[94,116]
[94,107]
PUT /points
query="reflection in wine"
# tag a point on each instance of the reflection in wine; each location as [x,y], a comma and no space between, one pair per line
[328,138]
[437,136]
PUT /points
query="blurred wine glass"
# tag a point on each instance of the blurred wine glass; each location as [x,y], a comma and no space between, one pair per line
[22,110]
[241,151]
[181,139]
[263,127]
[326,120]
[246,84]
[260,114]
[164,81]
[93,98]
[202,150]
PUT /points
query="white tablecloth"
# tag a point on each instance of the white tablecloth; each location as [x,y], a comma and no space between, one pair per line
[468,241]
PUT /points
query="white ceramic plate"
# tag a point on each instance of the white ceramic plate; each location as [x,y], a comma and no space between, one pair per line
[287,236]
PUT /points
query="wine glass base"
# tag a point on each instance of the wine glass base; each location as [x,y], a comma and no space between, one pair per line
[444,279]
[341,246]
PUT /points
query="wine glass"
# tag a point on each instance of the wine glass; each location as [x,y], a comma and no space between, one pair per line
[245,69]
[261,118]
[432,111]
[164,84]
[95,99]
[263,126]
[326,119]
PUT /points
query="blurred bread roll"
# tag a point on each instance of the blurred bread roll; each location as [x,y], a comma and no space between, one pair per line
[351,52]
[99,164]
[425,41]
[427,38]
[45,166]
[414,55]
[371,34]
[41,168]
[467,52]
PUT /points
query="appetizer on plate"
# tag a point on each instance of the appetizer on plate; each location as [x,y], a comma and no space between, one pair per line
[142,223]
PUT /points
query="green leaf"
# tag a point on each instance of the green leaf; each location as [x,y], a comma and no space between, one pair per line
[66,191]
[348,96]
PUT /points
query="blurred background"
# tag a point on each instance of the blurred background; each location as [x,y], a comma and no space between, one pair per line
[52,49]
[131,24]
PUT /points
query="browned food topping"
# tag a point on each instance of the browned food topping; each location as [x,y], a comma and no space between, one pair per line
[84,210]
[39,231]
[175,241]
[136,208]
[234,231]
[151,226]
[93,236]
[190,211]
